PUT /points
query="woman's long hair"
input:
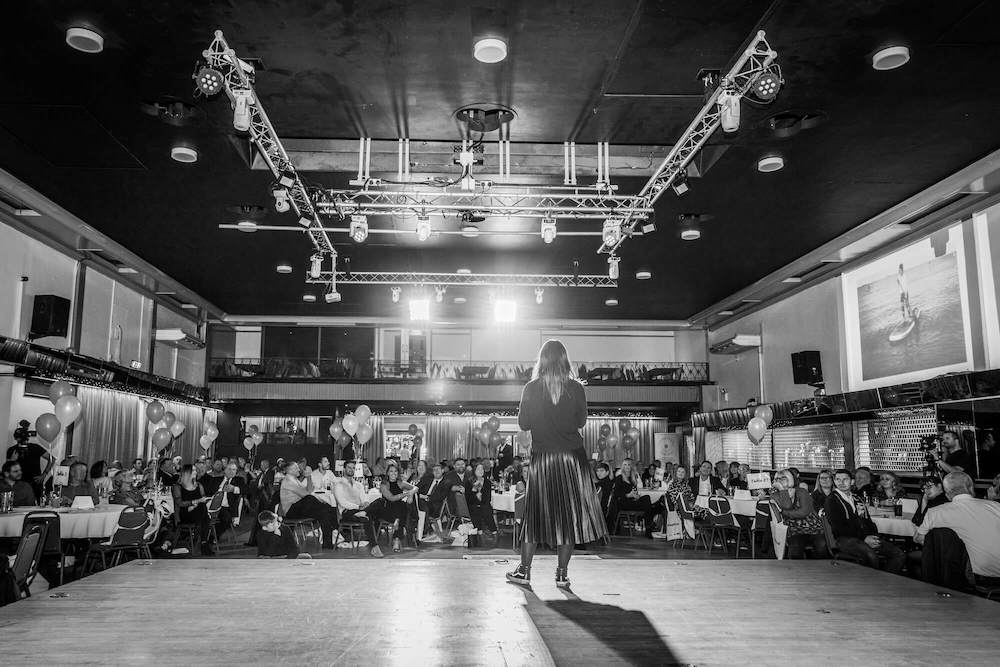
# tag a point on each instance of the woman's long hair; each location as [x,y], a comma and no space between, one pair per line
[553,368]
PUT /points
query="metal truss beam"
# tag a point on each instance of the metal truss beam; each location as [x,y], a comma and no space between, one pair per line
[220,57]
[462,279]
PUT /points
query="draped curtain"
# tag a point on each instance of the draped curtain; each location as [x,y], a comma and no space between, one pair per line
[377,444]
[643,450]
[309,425]
[193,418]
[110,426]
[699,434]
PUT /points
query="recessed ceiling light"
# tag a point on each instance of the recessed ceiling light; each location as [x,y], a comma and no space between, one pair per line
[643,275]
[470,231]
[792,280]
[890,57]
[770,163]
[189,306]
[611,302]
[463,272]
[184,154]
[690,234]
[490,50]
[309,298]
[85,39]
[127,269]
[248,226]
[460,299]
[283,268]
[725,313]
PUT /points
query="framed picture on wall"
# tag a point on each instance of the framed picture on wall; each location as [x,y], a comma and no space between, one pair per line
[906,315]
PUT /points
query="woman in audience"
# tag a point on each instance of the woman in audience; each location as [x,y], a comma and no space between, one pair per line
[418,473]
[79,485]
[679,486]
[932,496]
[627,497]
[191,505]
[297,501]
[823,488]
[99,476]
[993,492]
[804,524]
[379,469]
[648,476]
[396,496]
[733,478]
[123,493]
[889,489]
[478,491]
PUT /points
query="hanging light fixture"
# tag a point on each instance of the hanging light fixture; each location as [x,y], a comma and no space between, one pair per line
[281,203]
[359,228]
[420,310]
[209,80]
[315,265]
[690,229]
[613,267]
[766,87]
[439,291]
[729,111]
[539,295]
[423,228]
[395,292]
[549,230]
[505,310]
[241,110]
[612,232]
[680,184]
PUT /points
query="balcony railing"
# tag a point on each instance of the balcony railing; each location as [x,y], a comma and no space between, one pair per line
[349,369]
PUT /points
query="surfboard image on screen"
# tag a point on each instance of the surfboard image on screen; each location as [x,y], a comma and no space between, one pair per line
[904,328]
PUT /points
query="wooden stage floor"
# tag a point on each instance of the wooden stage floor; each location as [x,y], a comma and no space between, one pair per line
[448,612]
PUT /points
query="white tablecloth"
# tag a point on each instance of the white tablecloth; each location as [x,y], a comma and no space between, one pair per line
[889,524]
[73,524]
[503,502]
[741,507]
[653,494]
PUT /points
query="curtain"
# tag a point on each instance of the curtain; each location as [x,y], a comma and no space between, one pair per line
[699,433]
[377,444]
[193,418]
[110,426]
[643,450]
[437,442]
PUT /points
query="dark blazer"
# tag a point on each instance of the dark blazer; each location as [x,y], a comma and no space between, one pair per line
[695,483]
[505,456]
[452,478]
[845,521]
[620,488]
[605,488]
[486,493]
[423,485]
[437,498]
[918,517]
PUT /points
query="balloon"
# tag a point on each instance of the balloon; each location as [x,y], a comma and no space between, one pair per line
[336,428]
[363,413]
[605,430]
[48,427]
[624,424]
[344,439]
[633,433]
[248,443]
[485,426]
[756,428]
[420,433]
[764,412]
[161,438]
[412,429]
[365,433]
[257,438]
[59,389]
[417,441]
[176,429]
[612,440]
[212,431]
[154,412]
[495,439]
[601,443]
[205,442]
[351,424]
[168,419]
[67,409]
[752,439]
[494,423]
[483,435]
[253,429]
[627,442]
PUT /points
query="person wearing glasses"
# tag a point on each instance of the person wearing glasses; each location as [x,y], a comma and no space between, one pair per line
[889,490]
[823,488]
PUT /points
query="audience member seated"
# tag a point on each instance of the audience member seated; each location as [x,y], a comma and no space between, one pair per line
[275,539]
[733,477]
[648,476]
[420,477]
[974,520]
[23,494]
[168,473]
[680,486]
[706,484]
[855,533]
[350,495]
[932,496]
[478,497]
[625,493]
[889,489]
[605,489]
[323,477]
[722,472]
[124,493]
[190,503]
[863,486]
[993,492]
[99,476]
[456,478]
[398,496]
[797,510]
[822,489]
[297,502]
[514,474]
[79,485]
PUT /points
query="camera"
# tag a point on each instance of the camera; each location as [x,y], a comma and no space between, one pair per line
[930,445]
[22,434]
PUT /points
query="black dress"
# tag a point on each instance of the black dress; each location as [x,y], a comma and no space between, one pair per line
[197,515]
[395,510]
[480,505]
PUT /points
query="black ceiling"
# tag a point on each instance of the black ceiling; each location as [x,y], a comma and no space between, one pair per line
[71,127]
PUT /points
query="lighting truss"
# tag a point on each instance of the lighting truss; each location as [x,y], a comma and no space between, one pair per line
[237,80]
[751,64]
[464,279]
[441,202]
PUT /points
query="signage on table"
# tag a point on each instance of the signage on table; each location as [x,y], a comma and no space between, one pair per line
[658,475]
[338,465]
[758,480]
[61,476]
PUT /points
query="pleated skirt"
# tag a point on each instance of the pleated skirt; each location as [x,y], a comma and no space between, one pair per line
[561,505]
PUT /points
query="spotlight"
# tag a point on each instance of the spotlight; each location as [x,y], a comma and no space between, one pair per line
[209,80]
[613,267]
[648,226]
[539,295]
[85,39]
[643,274]
[283,268]
[548,230]
[505,310]
[333,296]
[729,111]
[304,221]
[241,110]
[576,271]
[359,228]
[396,292]
[315,265]
[281,204]
[612,233]
[185,154]
[680,184]
[439,293]
[423,228]
[247,226]
[770,163]
[470,231]
[489,50]
[890,58]
[309,298]
[468,182]
[690,229]
[765,88]
[287,179]
[347,266]
[420,310]
[463,271]
[460,300]
[611,302]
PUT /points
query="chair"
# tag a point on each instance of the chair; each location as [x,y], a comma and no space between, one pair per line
[300,527]
[130,534]
[723,522]
[760,525]
[53,541]
[831,542]
[29,553]
[779,530]
[686,513]
[629,519]
[348,526]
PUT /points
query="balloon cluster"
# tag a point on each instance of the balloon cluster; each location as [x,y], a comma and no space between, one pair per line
[211,433]
[66,410]
[354,425]
[627,436]
[254,437]
[418,435]
[487,432]
[759,423]
[170,429]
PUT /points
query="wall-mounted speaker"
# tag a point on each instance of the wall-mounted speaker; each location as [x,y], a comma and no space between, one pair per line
[807,368]
[49,316]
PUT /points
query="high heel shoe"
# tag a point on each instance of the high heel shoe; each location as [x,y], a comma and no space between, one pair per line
[396,546]
[520,576]
[562,577]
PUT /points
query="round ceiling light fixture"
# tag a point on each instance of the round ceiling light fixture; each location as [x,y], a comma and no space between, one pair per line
[309,298]
[490,50]
[690,229]
[85,39]
[770,163]
[611,302]
[643,274]
[470,231]
[246,226]
[185,154]
[459,300]
[463,271]
[890,57]
[283,268]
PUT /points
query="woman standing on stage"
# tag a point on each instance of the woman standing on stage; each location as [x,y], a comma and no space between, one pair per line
[561,507]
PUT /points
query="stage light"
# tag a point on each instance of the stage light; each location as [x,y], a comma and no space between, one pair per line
[643,274]
[315,265]
[423,228]
[648,226]
[548,230]
[281,203]
[770,163]
[439,294]
[539,295]
[463,271]
[395,292]
[247,226]
[241,110]
[729,111]
[283,268]
[333,296]
[209,80]
[347,266]
[765,88]
[612,232]
[680,184]
[304,221]
[85,39]
[185,154]
[505,310]
[459,300]
[359,228]
[890,57]
[576,271]
[613,267]
[490,50]
[309,298]
[611,302]
[420,310]
[468,182]
[287,179]
[690,229]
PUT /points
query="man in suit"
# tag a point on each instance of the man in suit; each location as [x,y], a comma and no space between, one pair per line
[855,533]
[505,456]
[705,483]
[455,479]
[438,490]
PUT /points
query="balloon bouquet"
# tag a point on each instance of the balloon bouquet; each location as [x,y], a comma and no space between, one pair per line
[488,434]
[66,411]
[168,428]
[354,427]
[418,440]
[253,439]
[757,426]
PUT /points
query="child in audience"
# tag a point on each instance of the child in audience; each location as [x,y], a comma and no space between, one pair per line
[274,538]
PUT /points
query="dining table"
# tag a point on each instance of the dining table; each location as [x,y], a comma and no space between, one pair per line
[74,524]
[503,501]
[890,524]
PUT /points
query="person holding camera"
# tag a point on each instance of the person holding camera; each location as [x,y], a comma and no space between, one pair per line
[956,459]
[30,456]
